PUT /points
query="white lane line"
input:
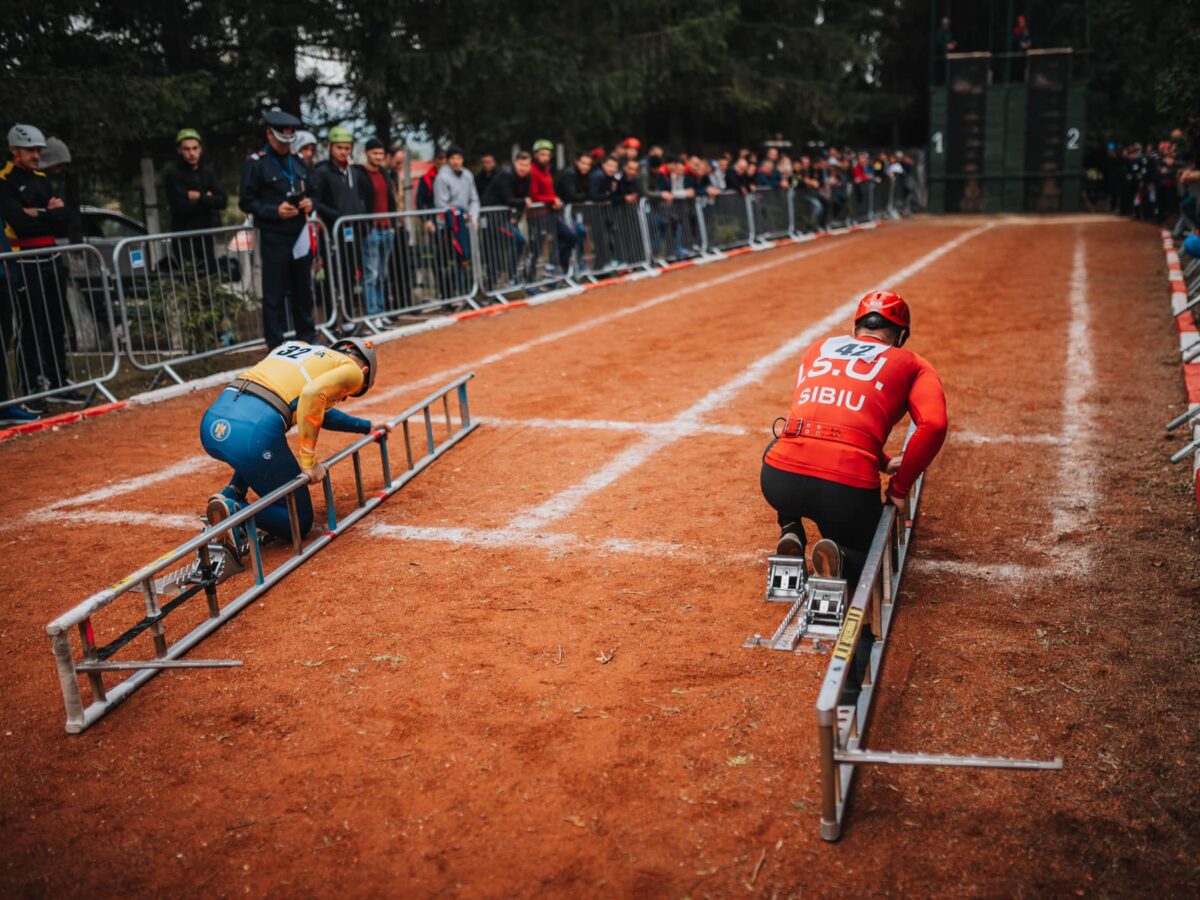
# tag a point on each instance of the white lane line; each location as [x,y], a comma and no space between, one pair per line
[440,377]
[566,501]
[129,485]
[983,570]
[115,517]
[683,430]
[554,542]
[974,437]
[1078,470]
[956,435]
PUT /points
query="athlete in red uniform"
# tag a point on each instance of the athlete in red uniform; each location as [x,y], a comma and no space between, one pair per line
[826,463]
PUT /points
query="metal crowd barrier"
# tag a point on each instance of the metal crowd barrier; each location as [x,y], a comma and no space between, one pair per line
[611,238]
[57,332]
[522,249]
[675,226]
[810,211]
[149,585]
[401,263]
[175,298]
[770,214]
[1191,278]
[727,220]
[841,730]
[191,295]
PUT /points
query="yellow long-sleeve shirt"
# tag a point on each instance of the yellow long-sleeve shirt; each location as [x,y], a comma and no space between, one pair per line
[310,379]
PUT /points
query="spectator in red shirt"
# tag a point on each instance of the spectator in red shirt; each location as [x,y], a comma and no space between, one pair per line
[545,219]
[1021,35]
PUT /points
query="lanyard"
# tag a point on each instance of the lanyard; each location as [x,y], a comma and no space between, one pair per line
[287,173]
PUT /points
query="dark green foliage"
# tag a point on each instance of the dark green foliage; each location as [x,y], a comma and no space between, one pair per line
[117,78]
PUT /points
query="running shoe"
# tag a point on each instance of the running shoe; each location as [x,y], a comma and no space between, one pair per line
[221,507]
[827,559]
[790,544]
[20,414]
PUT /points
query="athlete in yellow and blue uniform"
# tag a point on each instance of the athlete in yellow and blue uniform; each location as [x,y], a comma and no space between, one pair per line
[298,383]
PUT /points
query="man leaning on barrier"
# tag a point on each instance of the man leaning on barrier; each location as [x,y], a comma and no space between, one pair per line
[824,463]
[454,191]
[336,193]
[275,191]
[541,190]
[34,216]
[196,201]
[246,427]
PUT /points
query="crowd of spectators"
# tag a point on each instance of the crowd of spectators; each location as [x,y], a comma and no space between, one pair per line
[1155,181]
[294,177]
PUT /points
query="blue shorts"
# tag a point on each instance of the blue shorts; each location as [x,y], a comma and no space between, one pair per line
[248,434]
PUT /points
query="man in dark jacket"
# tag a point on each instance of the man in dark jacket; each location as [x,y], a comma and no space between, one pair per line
[425,184]
[487,171]
[275,191]
[571,184]
[336,193]
[602,182]
[195,200]
[510,187]
[34,215]
[502,239]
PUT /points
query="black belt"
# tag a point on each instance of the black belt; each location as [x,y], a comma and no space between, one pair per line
[243,386]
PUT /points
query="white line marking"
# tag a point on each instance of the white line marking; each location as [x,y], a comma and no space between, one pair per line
[554,541]
[1078,470]
[587,325]
[115,517]
[183,467]
[566,501]
[972,437]
[986,571]
[673,428]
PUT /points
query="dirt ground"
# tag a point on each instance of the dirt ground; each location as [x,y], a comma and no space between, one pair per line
[523,675]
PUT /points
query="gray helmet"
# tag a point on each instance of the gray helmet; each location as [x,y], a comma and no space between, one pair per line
[25,136]
[304,139]
[55,154]
[366,349]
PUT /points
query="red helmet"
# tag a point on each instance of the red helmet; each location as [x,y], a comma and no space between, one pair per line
[888,304]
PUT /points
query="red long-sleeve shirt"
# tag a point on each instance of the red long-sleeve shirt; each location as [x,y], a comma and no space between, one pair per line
[864,387]
[541,185]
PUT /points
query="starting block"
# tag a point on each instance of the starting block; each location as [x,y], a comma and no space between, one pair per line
[212,565]
[818,606]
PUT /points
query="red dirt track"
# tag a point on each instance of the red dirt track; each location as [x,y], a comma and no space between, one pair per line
[423,709]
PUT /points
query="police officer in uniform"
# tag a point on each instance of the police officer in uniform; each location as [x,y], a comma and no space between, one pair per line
[275,191]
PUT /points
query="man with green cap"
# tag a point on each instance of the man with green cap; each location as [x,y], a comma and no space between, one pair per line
[336,193]
[195,200]
[547,220]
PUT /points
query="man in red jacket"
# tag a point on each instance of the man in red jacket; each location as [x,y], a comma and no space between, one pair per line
[545,219]
[826,463]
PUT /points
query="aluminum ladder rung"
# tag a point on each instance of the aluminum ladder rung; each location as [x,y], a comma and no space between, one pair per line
[891,758]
